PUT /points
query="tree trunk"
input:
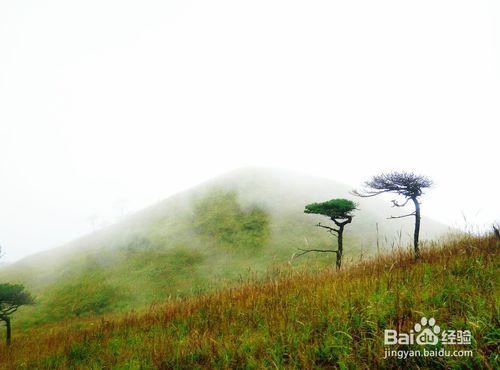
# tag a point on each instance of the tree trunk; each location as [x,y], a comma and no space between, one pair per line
[340,246]
[417,228]
[6,319]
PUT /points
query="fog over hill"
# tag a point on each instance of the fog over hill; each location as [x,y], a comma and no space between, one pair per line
[246,221]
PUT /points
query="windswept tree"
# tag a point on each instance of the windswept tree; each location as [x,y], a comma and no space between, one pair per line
[12,296]
[405,184]
[340,211]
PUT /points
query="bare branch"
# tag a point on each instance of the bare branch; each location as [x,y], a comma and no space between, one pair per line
[331,230]
[396,204]
[367,193]
[408,215]
[10,311]
[305,251]
[348,220]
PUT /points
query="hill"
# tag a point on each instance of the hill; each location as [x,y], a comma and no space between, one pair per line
[246,222]
[296,319]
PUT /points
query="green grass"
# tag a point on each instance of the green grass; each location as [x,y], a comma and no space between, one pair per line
[219,218]
[292,319]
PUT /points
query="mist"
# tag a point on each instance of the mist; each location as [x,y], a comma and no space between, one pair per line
[108,107]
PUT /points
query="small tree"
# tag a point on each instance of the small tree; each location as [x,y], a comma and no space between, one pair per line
[12,296]
[340,212]
[406,184]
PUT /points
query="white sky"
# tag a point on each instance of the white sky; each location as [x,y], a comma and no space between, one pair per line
[109,100]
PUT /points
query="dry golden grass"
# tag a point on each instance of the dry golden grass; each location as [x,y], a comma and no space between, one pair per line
[292,319]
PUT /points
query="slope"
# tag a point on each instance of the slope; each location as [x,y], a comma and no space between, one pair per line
[295,319]
[246,222]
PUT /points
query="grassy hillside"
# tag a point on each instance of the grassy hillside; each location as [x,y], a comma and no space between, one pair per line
[234,226]
[293,319]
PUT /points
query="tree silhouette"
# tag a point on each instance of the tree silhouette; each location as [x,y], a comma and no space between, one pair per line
[12,296]
[340,212]
[406,184]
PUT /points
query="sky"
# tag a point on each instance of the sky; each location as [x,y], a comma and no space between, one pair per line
[109,106]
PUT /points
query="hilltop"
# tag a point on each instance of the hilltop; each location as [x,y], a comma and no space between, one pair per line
[244,223]
[294,319]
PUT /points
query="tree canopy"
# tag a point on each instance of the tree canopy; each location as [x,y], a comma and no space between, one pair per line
[334,208]
[403,183]
[13,296]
